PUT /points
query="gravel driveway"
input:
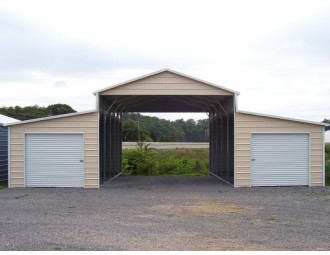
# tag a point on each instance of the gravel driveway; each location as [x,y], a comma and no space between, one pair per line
[165,213]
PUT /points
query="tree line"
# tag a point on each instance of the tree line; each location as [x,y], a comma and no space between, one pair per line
[136,127]
[327,121]
[35,111]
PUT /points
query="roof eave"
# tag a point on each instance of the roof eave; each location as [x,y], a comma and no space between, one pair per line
[282,118]
[49,118]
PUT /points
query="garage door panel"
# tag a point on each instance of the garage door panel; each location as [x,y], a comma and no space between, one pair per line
[279,159]
[54,160]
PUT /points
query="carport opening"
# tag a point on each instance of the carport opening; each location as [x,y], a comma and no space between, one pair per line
[153,145]
[220,110]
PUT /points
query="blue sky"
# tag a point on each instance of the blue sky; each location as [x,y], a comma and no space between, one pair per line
[276,54]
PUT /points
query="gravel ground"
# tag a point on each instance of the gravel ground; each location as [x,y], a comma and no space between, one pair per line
[165,213]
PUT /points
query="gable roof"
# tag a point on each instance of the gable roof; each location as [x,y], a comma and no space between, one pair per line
[50,117]
[5,119]
[282,118]
[161,71]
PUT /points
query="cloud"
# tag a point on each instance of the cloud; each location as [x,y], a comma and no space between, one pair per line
[25,47]
[60,84]
[295,44]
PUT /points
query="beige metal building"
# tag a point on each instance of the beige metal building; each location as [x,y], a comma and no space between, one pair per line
[246,149]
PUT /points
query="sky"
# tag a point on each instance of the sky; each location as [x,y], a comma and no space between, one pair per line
[277,55]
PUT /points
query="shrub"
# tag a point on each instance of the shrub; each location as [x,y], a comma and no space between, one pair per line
[327,173]
[143,161]
[138,162]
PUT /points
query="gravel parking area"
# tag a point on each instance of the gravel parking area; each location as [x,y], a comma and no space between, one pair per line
[165,213]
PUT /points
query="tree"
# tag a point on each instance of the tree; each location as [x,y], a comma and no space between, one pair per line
[35,111]
[161,130]
[57,109]
[327,121]
[130,132]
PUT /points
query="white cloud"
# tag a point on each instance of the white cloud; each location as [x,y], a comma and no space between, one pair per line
[60,84]
[275,54]
[294,44]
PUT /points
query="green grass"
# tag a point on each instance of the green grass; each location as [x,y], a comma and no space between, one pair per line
[3,185]
[144,161]
[327,173]
[272,218]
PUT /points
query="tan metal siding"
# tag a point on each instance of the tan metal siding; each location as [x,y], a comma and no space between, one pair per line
[166,84]
[85,123]
[249,123]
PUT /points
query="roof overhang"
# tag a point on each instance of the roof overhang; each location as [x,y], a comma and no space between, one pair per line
[161,71]
[50,118]
[282,118]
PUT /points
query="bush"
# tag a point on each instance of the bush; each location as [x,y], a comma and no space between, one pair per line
[143,161]
[327,173]
[138,162]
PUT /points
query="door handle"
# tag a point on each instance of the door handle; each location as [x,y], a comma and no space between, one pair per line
[81,160]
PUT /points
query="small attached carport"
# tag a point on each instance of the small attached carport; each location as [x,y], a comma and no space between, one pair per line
[278,151]
[246,149]
[57,151]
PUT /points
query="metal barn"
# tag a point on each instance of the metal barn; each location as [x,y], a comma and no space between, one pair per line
[246,149]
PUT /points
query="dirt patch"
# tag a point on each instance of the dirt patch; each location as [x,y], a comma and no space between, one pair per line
[200,209]
[187,240]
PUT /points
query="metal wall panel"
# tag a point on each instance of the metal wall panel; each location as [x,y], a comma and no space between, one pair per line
[221,125]
[280,159]
[3,154]
[54,160]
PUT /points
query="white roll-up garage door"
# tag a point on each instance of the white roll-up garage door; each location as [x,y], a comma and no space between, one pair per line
[54,160]
[280,159]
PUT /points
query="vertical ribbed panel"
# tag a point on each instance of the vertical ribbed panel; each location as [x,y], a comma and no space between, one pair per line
[3,154]
[279,159]
[54,160]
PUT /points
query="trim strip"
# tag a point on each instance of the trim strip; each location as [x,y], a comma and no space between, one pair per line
[218,177]
[324,160]
[9,157]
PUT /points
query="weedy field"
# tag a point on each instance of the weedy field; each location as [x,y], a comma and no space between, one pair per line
[143,161]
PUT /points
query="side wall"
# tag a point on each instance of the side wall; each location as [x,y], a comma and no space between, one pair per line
[110,142]
[249,123]
[221,128]
[84,123]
